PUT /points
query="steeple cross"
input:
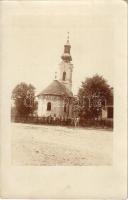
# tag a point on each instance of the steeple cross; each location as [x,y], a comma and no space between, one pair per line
[67,36]
[55,75]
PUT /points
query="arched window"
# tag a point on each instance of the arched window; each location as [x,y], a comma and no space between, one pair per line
[64,76]
[65,108]
[49,106]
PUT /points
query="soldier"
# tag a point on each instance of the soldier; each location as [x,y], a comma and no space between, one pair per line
[54,119]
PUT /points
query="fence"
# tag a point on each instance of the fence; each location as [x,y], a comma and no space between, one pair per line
[108,123]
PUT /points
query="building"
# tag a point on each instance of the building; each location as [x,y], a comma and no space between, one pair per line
[107,110]
[56,98]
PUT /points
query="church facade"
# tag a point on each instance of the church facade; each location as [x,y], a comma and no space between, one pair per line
[56,98]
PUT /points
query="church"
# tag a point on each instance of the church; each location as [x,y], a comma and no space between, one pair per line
[56,98]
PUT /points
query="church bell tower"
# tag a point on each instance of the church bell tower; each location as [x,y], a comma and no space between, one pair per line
[66,67]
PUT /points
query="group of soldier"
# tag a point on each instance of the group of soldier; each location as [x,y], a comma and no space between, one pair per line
[61,120]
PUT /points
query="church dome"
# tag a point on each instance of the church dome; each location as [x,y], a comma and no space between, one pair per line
[66,57]
[56,88]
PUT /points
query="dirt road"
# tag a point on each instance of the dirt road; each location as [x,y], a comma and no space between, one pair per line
[54,145]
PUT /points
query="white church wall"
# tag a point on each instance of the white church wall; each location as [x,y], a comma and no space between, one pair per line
[57,107]
[39,110]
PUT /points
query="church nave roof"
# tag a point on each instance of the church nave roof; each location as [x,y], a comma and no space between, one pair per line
[56,88]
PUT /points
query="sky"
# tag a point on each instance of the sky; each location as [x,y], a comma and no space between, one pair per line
[34,33]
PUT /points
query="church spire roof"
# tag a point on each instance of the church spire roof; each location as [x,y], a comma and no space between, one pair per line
[66,55]
[68,39]
[55,76]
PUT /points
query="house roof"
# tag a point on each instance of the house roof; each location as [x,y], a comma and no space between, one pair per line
[56,88]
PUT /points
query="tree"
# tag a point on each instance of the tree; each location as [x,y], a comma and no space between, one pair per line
[23,96]
[93,95]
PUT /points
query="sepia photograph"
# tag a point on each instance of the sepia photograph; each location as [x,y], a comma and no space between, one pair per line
[63,101]
[62,93]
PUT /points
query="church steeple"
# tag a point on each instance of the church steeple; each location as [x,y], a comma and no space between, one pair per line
[66,67]
[66,55]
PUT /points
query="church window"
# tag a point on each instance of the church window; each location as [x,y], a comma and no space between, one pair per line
[64,76]
[49,106]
